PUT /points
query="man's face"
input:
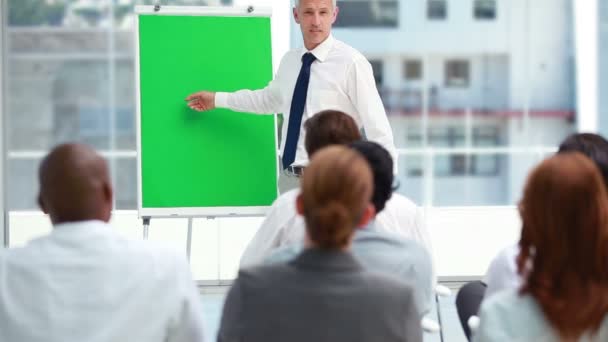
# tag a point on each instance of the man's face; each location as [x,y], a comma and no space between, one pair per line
[315,18]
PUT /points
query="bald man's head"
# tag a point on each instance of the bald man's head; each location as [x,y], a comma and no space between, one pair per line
[75,185]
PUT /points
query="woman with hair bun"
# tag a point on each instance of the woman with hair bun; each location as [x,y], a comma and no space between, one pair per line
[324,294]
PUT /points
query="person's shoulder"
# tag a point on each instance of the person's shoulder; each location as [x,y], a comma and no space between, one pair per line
[507,301]
[386,288]
[263,275]
[287,197]
[502,272]
[402,200]
[283,254]
[400,203]
[385,283]
[348,52]
[162,258]
[408,250]
[292,54]
[506,258]
[513,315]
[511,306]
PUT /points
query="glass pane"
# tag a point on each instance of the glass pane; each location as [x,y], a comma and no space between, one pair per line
[412,70]
[411,178]
[436,9]
[368,13]
[487,179]
[125,183]
[124,105]
[23,184]
[485,9]
[63,109]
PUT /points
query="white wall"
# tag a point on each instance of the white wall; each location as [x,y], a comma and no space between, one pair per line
[464,239]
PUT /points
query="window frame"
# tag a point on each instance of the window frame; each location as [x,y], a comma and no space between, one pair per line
[485,10]
[419,70]
[436,10]
[452,70]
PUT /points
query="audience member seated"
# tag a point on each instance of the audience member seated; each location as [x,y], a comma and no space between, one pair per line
[83,282]
[324,295]
[282,226]
[381,251]
[562,262]
[502,272]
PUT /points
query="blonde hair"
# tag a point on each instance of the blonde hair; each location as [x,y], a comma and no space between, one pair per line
[336,188]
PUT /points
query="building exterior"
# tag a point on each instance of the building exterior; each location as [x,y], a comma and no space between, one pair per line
[471,73]
[477,91]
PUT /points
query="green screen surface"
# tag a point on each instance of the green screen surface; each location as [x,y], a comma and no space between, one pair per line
[217,158]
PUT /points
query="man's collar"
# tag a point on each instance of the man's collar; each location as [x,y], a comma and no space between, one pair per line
[322,50]
[79,226]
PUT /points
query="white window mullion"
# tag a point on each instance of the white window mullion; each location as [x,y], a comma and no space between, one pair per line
[586,27]
[3,222]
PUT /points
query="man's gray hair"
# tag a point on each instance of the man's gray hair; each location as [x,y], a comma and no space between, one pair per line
[297,2]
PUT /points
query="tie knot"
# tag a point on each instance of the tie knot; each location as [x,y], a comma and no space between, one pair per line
[308,58]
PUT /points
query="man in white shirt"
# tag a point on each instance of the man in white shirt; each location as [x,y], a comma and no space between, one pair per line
[283,226]
[83,282]
[325,74]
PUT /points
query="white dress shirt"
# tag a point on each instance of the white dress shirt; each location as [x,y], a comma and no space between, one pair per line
[502,273]
[83,282]
[283,226]
[341,78]
[511,317]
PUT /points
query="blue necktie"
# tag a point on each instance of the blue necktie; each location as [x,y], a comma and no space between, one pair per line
[298,101]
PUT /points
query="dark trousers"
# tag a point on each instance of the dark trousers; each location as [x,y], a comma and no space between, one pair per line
[468,301]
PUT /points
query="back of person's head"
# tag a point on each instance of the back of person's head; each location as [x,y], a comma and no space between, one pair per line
[563,256]
[329,127]
[381,163]
[592,145]
[75,185]
[335,196]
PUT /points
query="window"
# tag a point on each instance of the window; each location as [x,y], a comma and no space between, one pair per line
[485,9]
[487,164]
[458,164]
[412,70]
[436,9]
[439,106]
[457,73]
[368,13]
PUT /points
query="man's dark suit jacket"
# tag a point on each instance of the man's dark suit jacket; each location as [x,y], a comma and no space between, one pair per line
[321,296]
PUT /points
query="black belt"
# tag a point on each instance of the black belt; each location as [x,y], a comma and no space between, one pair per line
[295,171]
